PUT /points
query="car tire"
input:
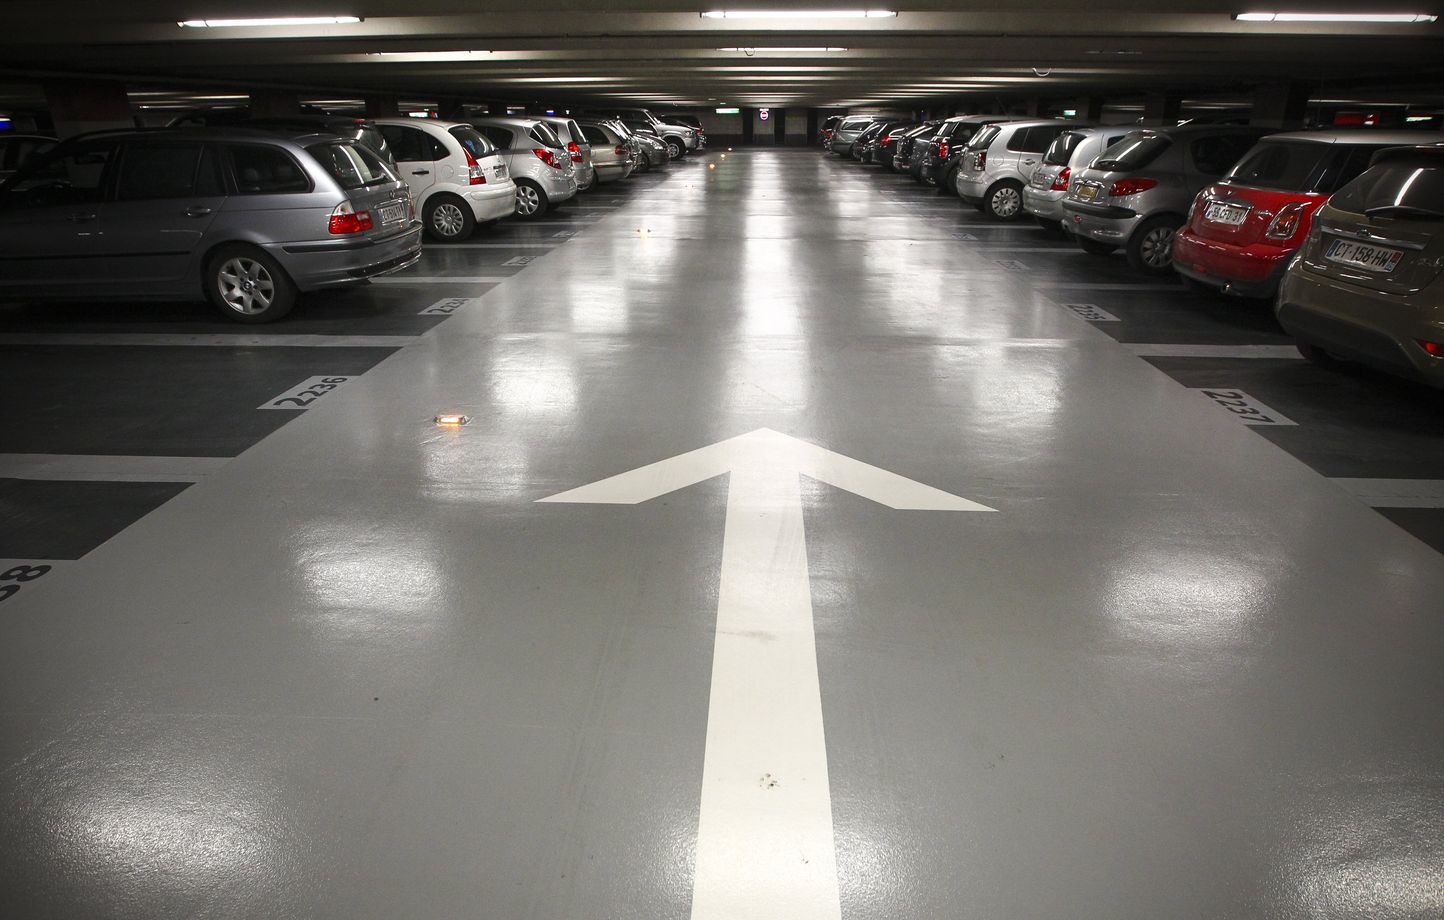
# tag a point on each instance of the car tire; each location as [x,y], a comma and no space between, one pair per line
[1004,201]
[676,149]
[1150,248]
[248,286]
[448,218]
[1315,355]
[1094,247]
[531,201]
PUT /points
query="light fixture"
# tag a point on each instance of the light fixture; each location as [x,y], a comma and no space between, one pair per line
[799,14]
[796,50]
[728,110]
[452,420]
[1335,17]
[263,23]
[427,55]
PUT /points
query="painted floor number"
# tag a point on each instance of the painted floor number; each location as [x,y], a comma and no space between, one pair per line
[17,577]
[448,306]
[1092,312]
[306,393]
[1250,411]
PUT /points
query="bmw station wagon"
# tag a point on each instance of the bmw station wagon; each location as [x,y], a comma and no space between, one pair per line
[247,219]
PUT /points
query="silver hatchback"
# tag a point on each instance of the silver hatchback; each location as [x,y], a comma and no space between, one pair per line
[1070,152]
[1138,192]
[998,162]
[247,219]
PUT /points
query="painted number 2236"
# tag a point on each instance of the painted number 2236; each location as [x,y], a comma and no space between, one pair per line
[11,580]
[306,393]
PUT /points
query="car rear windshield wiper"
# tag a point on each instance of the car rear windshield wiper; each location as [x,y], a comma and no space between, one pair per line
[1107,164]
[1404,211]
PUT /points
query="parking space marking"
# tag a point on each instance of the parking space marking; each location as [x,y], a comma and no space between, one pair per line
[517,261]
[105,468]
[1170,350]
[16,575]
[965,237]
[1394,493]
[1065,250]
[448,306]
[305,394]
[224,340]
[445,246]
[1250,411]
[441,279]
[1091,312]
[1012,265]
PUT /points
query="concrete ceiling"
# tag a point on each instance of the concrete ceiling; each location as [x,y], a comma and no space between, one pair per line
[665,52]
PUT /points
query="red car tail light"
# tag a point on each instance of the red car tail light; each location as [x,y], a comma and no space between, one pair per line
[1132,187]
[346,219]
[547,157]
[1434,348]
[1286,222]
[887,139]
[575,150]
[475,175]
[942,150]
[1060,181]
[982,160]
[622,150]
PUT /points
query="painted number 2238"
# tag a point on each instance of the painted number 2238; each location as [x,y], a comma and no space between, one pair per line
[11,580]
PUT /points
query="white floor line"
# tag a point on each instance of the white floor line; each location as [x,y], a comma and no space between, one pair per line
[104,468]
[225,340]
[1065,250]
[442,247]
[1109,286]
[1169,350]
[441,279]
[1394,493]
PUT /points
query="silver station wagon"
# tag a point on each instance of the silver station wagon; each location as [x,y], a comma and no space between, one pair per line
[248,219]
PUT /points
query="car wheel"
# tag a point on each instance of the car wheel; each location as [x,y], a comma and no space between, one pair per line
[247,285]
[1095,248]
[531,201]
[1316,355]
[675,148]
[448,219]
[1150,248]
[1004,201]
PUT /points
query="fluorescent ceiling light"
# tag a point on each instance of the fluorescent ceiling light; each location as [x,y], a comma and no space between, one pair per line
[798,50]
[427,55]
[799,14]
[261,23]
[1335,17]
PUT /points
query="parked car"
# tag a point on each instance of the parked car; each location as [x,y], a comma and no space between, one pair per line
[537,160]
[15,149]
[614,125]
[1243,229]
[859,147]
[1069,153]
[910,145]
[570,134]
[654,151]
[456,176]
[999,161]
[247,219]
[847,132]
[1137,193]
[679,139]
[885,149]
[941,154]
[612,156]
[870,148]
[825,130]
[361,130]
[1366,284]
[690,121]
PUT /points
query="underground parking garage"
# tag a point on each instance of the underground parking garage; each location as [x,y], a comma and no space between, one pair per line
[647,460]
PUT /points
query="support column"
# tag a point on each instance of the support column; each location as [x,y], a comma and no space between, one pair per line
[747,135]
[779,127]
[269,103]
[813,123]
[1162,109]
[1090,109]
[1031,106]
[451,110]
[78,106]
[382,105]
[1280,105]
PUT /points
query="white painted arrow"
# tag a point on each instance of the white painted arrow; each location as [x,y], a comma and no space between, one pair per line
[764,836]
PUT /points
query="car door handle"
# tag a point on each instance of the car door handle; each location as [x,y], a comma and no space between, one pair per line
[82,217]
[199,212]
[421,172]
[1029,162]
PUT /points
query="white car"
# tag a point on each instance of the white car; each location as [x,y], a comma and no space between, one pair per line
[457,176]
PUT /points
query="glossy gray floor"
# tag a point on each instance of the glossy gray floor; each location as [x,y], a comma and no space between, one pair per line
[363,672]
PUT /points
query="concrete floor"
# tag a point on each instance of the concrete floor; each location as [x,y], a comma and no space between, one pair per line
[1060,640]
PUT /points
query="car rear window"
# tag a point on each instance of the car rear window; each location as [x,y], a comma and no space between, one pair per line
[984,137]
[351,165]
[544,134]
[262,170]
[1409,188]
[1061,150]
[855,124]
[1135,151]
[371,136]
[1286,165]
[471,139]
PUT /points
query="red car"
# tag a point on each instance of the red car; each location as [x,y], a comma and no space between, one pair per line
[1243,229]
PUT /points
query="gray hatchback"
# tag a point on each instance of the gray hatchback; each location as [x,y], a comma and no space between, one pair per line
[246,218]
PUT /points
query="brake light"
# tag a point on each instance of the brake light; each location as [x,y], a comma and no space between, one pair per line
[1286,222]
[1060,181]
[1434,348]
[942,150]
[475,175]
[887,139]
[1131,187]
[547,157]
[982,162]
[576,151]
[622,150]
[346,219]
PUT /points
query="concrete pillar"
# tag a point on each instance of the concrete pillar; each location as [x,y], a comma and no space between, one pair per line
[78,106]
[1031,106]
[1162,109]
[814,122]
[381,105]
[747,133]
[270,103]
[1090,109]
[1280,105]
[451,110]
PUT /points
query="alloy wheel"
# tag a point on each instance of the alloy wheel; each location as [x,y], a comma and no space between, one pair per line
[246,286]
[1006,202]
[1156,247]
[447,220]
[527,200]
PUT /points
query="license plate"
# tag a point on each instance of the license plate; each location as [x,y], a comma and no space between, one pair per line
[1230,214]
[499,172]
[1362,255]
[392,213]
[1087,192]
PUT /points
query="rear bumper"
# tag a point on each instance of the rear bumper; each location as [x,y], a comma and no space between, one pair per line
[610,172]
[1365,326]
[1249,271]
[1103,223]
[493,200]
[972,187]
[558,186]
[317,268]
[1044,205]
